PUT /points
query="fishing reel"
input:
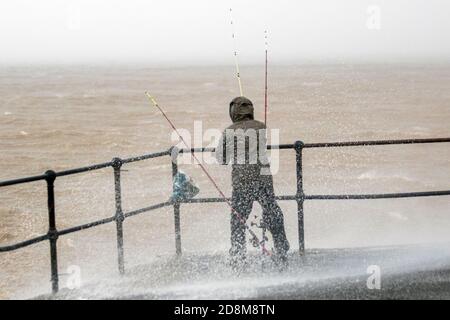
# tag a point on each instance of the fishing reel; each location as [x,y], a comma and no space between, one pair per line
[254,240]
[262,225]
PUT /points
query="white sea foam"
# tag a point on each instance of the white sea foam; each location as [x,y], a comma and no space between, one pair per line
[378,175]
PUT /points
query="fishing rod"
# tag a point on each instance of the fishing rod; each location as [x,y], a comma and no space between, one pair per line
[265,79]
[236,62]
[263,227]
[255,239]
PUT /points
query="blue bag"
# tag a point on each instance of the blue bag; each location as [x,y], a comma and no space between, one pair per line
[184,187]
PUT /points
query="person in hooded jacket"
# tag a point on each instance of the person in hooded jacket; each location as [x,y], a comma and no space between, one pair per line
[243,144]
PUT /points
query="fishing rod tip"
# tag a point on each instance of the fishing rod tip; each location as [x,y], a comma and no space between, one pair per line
[150,97]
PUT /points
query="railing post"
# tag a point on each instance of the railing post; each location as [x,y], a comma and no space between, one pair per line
[300,197]
[176,205]
[117,165]
[52,232]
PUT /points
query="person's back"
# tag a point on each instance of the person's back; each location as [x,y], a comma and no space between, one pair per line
[243,144]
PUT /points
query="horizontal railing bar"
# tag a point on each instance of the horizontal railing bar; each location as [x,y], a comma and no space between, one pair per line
[109,164]
[336,197]
[378,196]
[336,144]
[209,200]
[80,227]
[373,143]
[86,226]
[23,244]
[275,146]
[204,200]
[184,150]
[22,180]
[146,156]
[292,197]
[83,169]
[153,207]
[281,146]
[217,200]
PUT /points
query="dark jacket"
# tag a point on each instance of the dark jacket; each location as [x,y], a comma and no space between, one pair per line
[243,144]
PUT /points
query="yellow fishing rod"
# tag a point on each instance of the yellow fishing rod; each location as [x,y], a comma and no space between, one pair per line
[236,60]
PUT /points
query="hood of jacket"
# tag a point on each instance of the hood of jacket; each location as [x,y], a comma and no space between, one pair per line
[241,109]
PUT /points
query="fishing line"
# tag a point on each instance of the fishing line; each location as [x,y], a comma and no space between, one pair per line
[255,239]
[233,35]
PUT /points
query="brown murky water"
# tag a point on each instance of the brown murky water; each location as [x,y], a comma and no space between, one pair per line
[65,117]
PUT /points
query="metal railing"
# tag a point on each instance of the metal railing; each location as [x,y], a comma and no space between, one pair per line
[50,176]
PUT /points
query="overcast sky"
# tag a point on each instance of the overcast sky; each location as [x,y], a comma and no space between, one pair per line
[199,31]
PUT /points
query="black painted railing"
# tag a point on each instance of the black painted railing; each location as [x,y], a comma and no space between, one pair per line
[50,176]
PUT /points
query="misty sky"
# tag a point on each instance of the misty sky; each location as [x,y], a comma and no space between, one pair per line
[199,31]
